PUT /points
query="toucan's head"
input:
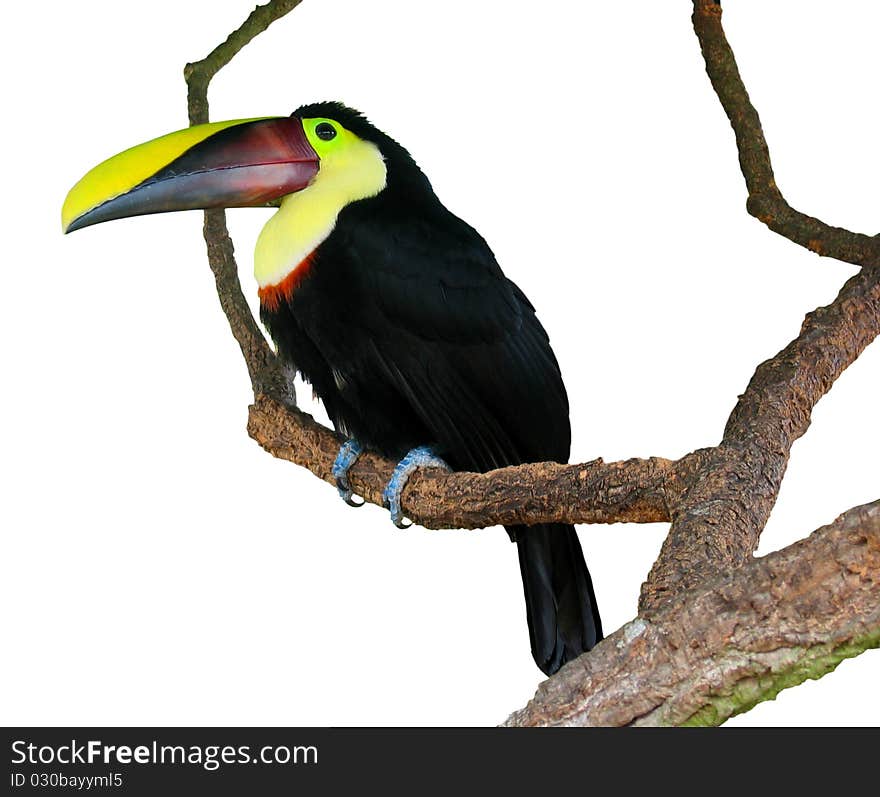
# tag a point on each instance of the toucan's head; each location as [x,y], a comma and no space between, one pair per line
[312,164]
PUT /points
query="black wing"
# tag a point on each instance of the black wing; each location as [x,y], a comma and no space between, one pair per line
[428,313]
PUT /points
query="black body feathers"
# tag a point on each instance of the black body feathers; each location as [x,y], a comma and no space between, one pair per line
[411,335]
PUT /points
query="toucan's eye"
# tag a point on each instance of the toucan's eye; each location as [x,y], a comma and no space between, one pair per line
[325,131]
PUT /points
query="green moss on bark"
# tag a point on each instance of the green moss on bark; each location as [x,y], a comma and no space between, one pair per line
[797,665]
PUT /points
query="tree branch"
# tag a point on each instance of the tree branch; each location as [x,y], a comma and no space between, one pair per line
[635,491]
[724,510]
[199,74]
[739,640]
[765,200]
[718,522]
[268,376]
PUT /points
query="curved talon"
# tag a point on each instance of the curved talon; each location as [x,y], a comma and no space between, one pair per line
[348,454]
[393,504]
[417,458]
[347,496]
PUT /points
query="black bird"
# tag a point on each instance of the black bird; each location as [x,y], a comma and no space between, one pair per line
[393,308]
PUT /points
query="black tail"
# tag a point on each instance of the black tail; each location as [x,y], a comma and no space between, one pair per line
[560,604]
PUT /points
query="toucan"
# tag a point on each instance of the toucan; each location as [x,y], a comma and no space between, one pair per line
[393,308]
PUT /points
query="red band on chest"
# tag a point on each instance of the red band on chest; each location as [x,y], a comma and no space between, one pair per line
[271,296]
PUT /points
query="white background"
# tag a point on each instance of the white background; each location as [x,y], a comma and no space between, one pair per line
[159,568]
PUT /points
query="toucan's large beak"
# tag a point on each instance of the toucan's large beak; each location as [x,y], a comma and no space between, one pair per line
[245,163]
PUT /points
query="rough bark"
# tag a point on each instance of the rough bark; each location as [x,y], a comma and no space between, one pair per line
[718,521]
[717,651]
[635,491]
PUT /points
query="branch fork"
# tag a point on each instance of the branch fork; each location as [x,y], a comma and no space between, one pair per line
[718,630]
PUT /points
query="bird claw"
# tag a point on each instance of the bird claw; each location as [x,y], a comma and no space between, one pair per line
[346,494]
[347,456]
[421,457]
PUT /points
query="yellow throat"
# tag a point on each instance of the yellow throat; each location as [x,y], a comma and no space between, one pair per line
[350,169]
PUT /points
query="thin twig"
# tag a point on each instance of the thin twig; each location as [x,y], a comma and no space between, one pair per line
[268,376]
[766,201]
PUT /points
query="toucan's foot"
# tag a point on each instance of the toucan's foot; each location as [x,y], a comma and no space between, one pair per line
[421,457]
[347,456]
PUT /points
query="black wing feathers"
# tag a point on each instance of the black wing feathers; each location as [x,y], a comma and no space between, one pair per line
[458,339]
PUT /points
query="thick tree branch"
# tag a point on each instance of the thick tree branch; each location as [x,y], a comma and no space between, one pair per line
[765,200]
[719,650]
[635,491]
[718,522]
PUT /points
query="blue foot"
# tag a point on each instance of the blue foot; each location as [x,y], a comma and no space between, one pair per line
[421,457]
[347,456]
